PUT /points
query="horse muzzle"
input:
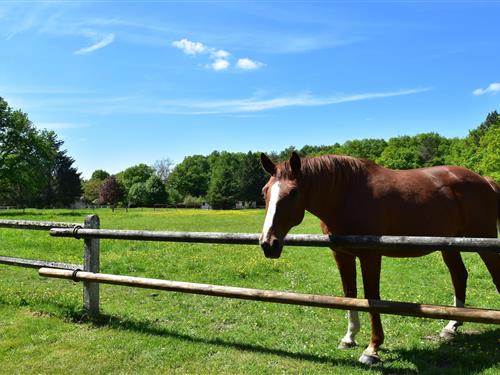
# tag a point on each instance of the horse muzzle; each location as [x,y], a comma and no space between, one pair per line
[272,249]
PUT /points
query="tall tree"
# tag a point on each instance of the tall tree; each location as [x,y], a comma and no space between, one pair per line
[68,184]
[138,195]
[99,174]
[155,189]
[190,177]
[224,188]
[252,178]
[135,174]
[25,157]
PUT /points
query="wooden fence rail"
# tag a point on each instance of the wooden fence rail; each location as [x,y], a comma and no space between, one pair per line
[308,240]
[315,300]
[36,225]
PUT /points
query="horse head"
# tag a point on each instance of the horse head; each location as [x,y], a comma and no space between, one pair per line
[285,205]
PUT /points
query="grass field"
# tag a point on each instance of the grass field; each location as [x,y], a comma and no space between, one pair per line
[144,331]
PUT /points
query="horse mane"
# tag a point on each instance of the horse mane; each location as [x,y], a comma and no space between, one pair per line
[321,168]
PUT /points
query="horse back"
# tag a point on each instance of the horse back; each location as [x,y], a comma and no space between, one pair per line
[436,201]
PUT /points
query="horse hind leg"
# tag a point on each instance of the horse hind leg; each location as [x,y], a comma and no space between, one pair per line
[370,268]
[455,264]
[492,262]
[347,268]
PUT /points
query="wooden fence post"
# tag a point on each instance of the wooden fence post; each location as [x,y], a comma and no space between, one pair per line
[91,264]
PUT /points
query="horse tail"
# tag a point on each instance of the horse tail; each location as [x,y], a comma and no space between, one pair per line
[492,260]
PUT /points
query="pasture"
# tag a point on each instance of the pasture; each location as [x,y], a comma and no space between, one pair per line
[144,331]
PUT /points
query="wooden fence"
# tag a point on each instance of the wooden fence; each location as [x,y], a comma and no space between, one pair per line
[89,273]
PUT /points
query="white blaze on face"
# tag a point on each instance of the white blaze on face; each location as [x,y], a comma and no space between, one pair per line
[271,209]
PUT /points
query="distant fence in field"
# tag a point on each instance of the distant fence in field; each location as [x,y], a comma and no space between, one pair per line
[88,272]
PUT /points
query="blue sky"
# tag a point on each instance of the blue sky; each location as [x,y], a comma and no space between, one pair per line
[136,81]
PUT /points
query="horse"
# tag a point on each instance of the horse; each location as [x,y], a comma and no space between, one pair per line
[357,196]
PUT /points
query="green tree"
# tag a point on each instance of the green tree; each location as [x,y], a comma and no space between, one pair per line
[252,178]
[26,157]
[474,153]
[421,150]
[133,175]
[309,150]
[364,148]
[138,195]
[92,187]
[400,153]
[67,181]
[156,191]
[492,119]
[99,174]
[489,157]
[190,177]
[224,189]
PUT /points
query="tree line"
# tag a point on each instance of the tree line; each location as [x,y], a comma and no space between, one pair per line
[36,171]
[223,178]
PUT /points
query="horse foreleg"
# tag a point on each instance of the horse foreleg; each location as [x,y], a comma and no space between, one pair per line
[453,261]
[347,268]
[370,268]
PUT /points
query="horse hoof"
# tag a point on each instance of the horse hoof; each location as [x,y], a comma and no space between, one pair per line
[347,345]
[369,360]
[447,335]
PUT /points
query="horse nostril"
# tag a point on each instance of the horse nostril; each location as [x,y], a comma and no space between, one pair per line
[265,246]
[275,245]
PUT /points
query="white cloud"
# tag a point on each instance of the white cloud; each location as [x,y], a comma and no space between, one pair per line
[492,88]
[189,47]
[221,54]
[248,64]
[257,105]
[220,64]
[220,58]
[107,40]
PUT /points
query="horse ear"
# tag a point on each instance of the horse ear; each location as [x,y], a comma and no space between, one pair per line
[295,163]
[268,164]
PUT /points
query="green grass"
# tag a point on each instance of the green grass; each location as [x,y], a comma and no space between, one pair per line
[144,331]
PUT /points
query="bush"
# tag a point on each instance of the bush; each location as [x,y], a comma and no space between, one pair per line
[193,202]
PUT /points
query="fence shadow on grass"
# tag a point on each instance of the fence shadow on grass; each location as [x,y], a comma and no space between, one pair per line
[152,328]
[468,353]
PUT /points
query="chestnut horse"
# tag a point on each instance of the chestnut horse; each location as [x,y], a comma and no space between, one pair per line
[357,196]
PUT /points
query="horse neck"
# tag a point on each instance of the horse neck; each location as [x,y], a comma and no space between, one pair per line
[325,188]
